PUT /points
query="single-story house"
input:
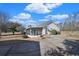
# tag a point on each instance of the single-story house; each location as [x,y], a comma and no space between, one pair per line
[41,30]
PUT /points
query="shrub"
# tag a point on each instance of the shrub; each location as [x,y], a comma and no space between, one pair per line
[25,36]
[53,32]
[23,33]
[41,35]
[58,32]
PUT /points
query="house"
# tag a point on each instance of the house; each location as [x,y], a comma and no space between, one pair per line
[41,30]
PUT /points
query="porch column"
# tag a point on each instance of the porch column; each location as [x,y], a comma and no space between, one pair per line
[30,31]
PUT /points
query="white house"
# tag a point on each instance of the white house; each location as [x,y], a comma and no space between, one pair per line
[41,30]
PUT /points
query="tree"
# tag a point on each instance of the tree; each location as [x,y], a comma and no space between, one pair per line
[3,21]
[14,27]
[71,23]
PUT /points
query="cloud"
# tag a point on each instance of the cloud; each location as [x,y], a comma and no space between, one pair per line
[23,16]
[24,19]
[26,23]
[16,20]
[30,21]
[54,17]
[43,20]
[53,5]
[63,16]
[37,8]
[41,7]
[33,23]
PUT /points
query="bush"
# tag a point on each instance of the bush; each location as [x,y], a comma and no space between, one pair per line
[58,32]
[41,35]
[53,32]
[23,33]
[25,36]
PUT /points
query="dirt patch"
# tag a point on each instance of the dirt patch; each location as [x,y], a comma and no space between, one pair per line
[11,37]
[69,34]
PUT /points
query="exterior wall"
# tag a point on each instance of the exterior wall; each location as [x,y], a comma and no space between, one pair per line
[53,26]
[43,30]
[50,27]
[34,31]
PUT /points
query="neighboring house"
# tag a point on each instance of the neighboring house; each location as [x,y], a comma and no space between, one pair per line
[41,30]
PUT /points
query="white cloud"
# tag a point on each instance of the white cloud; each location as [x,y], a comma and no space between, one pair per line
[53,5]
[57,22]
[37,8]
[54,17]
[26,23]
[23,16]
[24,19]
[41,7]
[33,23]
[63,16]
[16,20]
[43,20]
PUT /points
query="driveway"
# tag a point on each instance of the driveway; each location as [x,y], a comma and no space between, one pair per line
[19,48]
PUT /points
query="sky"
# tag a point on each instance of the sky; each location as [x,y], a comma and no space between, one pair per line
[35,13]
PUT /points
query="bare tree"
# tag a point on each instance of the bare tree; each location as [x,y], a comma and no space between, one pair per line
[3,21]
[71,23]
[14,27]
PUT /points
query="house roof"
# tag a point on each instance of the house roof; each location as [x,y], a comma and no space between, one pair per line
[34,27]
[40,26]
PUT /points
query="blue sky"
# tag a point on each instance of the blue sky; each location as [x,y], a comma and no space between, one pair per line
[28,13]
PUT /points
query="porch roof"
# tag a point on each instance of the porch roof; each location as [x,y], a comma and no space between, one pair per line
[35,27]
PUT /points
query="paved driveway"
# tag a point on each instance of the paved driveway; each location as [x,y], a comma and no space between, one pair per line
[19,48]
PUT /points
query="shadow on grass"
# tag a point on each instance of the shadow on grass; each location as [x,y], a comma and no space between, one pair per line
[72,48]
[19,48]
